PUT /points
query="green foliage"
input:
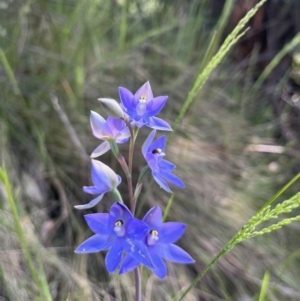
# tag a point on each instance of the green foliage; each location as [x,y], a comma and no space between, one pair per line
[250,229]
[38,274]
[275,61]
[264,287]
[203,76]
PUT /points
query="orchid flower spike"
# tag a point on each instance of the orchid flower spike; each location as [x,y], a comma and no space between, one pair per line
[142,107]
[104,179]
[117,231]
[160,243]
[112,129]
[154,153]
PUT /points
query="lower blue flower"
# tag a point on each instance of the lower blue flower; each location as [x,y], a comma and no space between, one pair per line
[159,241]
[117,231]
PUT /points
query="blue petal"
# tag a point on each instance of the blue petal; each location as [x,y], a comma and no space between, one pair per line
[139,122]
[118,128]
[161,182]
[170,232]
[128,265]
[100,177]
[94,244]
[99,223]
[159,143]
[120,212]
[155,105]
[98,125]
[138,251]
[148,142]
[122,140]
[173,253]
[166,165]
[160,269]
[127,100]
[172,179]
[101,149]
[123,136]
[159,124]
[91,204]
[91,190]
[152,161]
[153,218]
[136,229]
[114,255]
[116,124]
[144,91]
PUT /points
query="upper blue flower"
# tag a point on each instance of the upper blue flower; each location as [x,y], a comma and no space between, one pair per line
[159,241]
[117,231]
[104,179]
[142,107]
[112,129]
[161,169]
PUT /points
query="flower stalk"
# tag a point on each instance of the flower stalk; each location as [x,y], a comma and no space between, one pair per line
[117,195]
[138,284]
[132,200]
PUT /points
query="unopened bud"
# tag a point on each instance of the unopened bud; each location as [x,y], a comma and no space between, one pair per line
[112,107]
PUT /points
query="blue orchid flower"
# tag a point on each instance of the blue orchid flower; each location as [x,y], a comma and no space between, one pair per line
[117,231]
[142,107]
[112,129]
[161,169]
[104,179]
[160,243]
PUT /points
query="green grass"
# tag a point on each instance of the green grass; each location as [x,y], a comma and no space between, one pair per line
[57,58]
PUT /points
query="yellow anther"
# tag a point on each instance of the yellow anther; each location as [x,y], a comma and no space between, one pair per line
[154,233]
[118,223]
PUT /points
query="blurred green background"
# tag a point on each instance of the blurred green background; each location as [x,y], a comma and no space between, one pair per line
[236,146]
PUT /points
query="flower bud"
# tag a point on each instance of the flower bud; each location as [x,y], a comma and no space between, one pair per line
[112,107]
[105,174]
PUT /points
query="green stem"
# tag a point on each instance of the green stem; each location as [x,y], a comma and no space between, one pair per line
[123,26]
[133,135]
[130,159]
[114,148]
[9,72]
[138,284]
[117,195]
[227,247]
[281,191]
[125,168]
[139,185]
[168,207]
[137,191]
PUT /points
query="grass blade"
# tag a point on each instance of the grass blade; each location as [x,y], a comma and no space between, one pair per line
[38,280]
[201,79]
